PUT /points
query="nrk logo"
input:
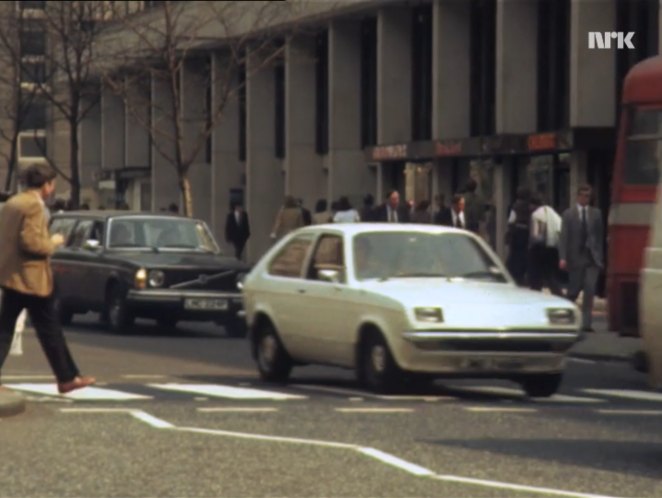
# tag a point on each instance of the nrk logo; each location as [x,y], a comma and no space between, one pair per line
[598,40]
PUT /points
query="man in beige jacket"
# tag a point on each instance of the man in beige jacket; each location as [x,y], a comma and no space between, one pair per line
[26,277]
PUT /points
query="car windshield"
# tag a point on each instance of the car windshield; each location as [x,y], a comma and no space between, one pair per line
[385,255]
[162,234]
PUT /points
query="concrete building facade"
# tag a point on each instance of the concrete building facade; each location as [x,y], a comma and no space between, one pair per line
[415,96]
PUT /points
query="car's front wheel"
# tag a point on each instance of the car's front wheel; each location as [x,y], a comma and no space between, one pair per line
[379,371]
[119,317]
[273,362]
[542,385]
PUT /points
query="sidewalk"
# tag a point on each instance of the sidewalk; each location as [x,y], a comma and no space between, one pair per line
[11,403]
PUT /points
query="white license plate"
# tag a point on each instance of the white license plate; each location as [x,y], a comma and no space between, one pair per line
[204,303]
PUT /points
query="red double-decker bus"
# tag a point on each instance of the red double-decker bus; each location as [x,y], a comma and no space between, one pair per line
[634,188]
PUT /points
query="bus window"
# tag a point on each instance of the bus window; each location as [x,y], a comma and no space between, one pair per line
[644,147]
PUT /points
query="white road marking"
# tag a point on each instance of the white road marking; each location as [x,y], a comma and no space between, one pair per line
[379,455]
[356,399]
[394,461]
[220,391]
[500,409]
[631,412]
[89,393]
[334,390]
[374,410]
[507,391]
[27,377]
[96,410]
[413,397]
[361,394]
[143,376]
[516,487]
[237,409]
[626,393]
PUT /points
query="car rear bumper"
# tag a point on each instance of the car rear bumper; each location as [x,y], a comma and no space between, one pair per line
[185,304]
[484,352]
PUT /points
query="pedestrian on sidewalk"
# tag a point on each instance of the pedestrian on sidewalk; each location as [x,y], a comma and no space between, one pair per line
[237,228]
[580,251]
[289,217]
[26,277]
[346,213]
[517,235]
[543,261]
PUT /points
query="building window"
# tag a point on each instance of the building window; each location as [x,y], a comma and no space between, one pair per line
[36,5]
[35,116]
[242,112]
[642,17]
[279,77]
[553,64]
[421,77]
[483,67]
[369,82]
[31,145]
[33,72]
[33,40]
[322,94]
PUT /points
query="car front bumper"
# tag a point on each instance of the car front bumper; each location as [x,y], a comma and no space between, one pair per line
[504,352]
[185,304]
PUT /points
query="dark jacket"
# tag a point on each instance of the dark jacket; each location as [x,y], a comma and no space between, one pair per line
[381,214]
[237,233]
[444,217]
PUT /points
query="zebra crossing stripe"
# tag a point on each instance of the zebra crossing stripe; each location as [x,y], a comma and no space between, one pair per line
[90,393]
[627,393]
[221,391]
[507,391]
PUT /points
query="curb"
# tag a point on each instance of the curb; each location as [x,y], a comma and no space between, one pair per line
[11,403]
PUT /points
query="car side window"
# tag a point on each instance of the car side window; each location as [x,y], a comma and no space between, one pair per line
[328,256]
[63,226]
[81,233]
[289,261]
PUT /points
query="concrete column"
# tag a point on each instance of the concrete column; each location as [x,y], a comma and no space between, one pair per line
[304,176]
[226,170]
[348,172]
[165,188]
[450,69]
[195,79]
[502,197]
[264,175]
[136,122]
[592,82]
[112,131]
[516,66]
[394,75]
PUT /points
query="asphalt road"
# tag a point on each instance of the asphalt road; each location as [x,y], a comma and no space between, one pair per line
[185,415]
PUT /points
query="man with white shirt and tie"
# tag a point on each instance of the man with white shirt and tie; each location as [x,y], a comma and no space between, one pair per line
[453,217]
[392,211]
[581,251]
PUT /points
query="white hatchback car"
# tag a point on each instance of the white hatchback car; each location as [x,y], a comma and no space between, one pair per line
[397,301]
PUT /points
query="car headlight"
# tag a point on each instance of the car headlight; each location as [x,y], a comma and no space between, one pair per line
[156,278]
[140,279]
[429,314]
[561,316]
[240,280]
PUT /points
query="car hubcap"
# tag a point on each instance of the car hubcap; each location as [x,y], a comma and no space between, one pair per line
[267,351]
[114,313]
[378,358]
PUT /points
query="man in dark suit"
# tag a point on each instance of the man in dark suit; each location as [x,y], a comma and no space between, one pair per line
[307,216]
[392,211]
[453,216]
[26,277]
[580,251]
[237,229]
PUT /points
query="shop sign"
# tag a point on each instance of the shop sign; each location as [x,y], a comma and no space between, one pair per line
[389,152]
[448,148]
[542,141]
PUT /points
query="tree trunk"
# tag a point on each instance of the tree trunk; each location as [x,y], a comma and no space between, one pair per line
[11,165]
[187,195]
[73,164]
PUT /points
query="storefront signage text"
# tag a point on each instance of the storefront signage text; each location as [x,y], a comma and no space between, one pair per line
[542,141]
[448,148]
[386,152]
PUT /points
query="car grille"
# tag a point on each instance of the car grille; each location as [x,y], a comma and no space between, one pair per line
[219,280]
[496,346]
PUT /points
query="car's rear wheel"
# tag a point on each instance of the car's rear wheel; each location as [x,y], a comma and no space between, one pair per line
[273,362]
[378,368]
[119,317]
[542,385]
[64,314]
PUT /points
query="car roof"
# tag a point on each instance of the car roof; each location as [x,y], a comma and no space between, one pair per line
[360,228]
[115,213]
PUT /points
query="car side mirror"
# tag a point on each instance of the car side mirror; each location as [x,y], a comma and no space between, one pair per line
[92,244]
[329,275]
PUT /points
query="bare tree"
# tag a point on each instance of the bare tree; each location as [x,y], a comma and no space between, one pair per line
[177,38]
[18,90]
